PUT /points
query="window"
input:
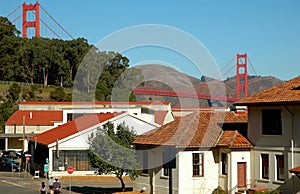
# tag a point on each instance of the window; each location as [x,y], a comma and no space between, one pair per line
[145,162]
[265,166]
[166,172]
[271,122]
[198,164]
[224,163]
[280,167]
[69,117]
[78,159]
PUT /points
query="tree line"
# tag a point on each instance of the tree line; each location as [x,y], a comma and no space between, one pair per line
[87,73]
[56,62]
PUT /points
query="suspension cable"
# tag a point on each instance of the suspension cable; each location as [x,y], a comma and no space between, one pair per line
[252,66]
[13,11]
[50,29]
[56,22]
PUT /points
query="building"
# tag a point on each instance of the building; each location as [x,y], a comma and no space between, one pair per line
[67,144]
[195,155]
[274,130]
[36,117]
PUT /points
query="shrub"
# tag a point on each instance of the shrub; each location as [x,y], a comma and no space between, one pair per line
[219,190]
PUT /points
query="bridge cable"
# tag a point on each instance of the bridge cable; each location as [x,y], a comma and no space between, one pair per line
[56,22]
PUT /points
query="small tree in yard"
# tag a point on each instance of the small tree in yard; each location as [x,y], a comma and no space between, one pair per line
[111,151]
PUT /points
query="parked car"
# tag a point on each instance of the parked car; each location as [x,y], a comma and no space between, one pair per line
[9,160]
[11,154]
[9,166]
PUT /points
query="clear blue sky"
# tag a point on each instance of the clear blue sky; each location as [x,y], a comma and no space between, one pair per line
[267,30]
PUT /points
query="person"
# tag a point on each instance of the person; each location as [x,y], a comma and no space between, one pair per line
[56,186]
[23,161]
[50,182]
[43,189]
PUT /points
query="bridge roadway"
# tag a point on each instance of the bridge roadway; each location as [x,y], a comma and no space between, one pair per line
[14,183]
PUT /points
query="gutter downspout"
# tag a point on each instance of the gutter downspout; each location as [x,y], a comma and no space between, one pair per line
[292,143]
[292,133]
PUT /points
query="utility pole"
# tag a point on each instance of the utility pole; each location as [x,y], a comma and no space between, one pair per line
[23,137]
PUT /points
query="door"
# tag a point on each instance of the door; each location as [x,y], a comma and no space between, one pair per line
[241,173]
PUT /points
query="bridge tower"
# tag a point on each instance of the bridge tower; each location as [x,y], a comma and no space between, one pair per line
[35,23]
[241,76]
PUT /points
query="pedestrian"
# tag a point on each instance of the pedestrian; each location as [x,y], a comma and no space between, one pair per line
[43,189]
[23,161]
[50,182]
[56,186]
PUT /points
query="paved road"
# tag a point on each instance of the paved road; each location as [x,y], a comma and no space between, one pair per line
[26,185]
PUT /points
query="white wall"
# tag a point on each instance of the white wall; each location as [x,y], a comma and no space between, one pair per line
[235,157]
[34,129]
[79,141]
[189,184]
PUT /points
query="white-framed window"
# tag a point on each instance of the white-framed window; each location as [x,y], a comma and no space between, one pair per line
[198,164]
[264,166]
[280,167]
[224,163]
[165,171]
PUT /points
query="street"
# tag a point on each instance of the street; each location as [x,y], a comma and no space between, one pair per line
[15,184]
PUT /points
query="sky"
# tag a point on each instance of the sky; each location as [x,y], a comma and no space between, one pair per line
[268,31]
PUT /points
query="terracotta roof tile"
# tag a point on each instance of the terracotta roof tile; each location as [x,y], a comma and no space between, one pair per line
[199,129]
[287,93]
[97,103]
[72,127]
[35,117]
[295,170]
[233,139]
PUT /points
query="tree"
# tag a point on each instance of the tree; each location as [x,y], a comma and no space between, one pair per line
[59,95]
[111,151]
[14,91]
[114,67]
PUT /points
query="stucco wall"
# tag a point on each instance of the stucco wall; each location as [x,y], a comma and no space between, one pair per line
[189,184]
[275,144]
[34,129]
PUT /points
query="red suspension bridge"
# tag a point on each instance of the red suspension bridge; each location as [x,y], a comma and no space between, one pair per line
[241,85]
[33,15]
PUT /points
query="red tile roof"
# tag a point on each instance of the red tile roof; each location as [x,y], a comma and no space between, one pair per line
[285,93]
[295,170]
[72,127]
[236,117]
[97,103]
[199,129]
[35,117]
[233,139]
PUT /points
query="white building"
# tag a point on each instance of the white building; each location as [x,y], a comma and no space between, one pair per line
[67,144]
[37,117]
[195,155]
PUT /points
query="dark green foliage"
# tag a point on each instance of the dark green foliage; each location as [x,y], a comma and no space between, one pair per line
[219,190]
[111,151]
[56,62]
[59,95]
[14,91]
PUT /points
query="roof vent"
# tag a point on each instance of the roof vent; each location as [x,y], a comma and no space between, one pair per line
[30,115]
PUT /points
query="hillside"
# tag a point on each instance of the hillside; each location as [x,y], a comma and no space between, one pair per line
[166,78]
